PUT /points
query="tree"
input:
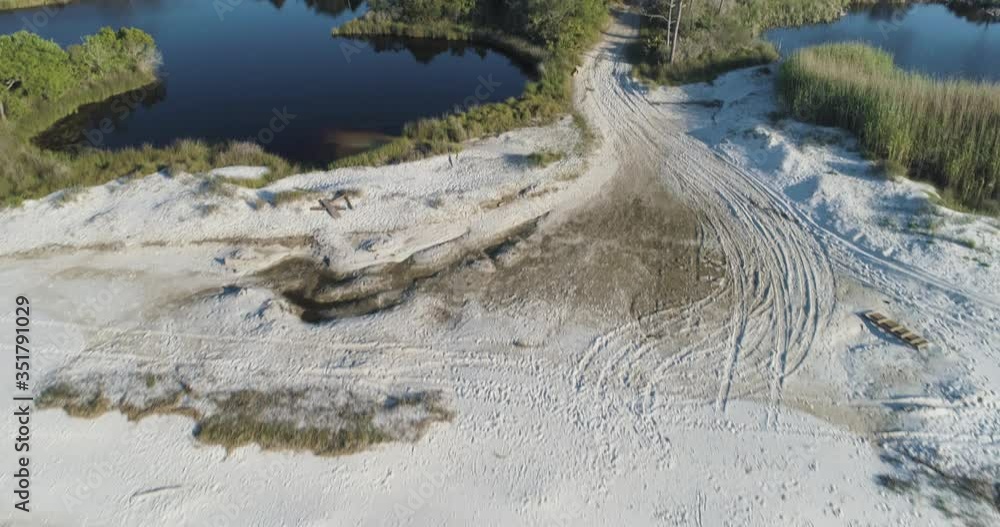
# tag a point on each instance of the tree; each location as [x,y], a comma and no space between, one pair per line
[669,11]
[34,70]
[426,10]
[31,66]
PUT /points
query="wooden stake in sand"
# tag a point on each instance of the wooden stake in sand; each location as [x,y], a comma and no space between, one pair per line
[330,205]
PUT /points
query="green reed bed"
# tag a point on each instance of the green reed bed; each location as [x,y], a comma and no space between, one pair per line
[943,131]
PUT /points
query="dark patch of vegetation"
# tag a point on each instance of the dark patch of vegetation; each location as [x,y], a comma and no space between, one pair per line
[274,420]
[943,131]
[545,158]
[269,419]
[242,420]
[983,4]
[76,404]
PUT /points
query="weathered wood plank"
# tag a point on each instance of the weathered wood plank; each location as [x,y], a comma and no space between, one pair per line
[896,329]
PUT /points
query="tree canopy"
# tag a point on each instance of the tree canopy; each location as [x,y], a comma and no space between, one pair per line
[35,69]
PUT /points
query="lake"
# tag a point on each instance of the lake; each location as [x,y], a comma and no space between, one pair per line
[930,38]
[271,72]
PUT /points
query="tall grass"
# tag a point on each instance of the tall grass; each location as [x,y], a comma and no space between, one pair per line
[29,172]
[943,131]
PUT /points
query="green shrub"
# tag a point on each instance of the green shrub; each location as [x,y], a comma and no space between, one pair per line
[32,70]
[114,51]
[35,74]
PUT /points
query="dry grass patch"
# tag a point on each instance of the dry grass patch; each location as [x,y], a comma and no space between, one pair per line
[326,423]
[90,404]
[544,158]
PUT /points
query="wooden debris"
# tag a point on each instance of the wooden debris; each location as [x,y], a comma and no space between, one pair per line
[330,205]
[898,330]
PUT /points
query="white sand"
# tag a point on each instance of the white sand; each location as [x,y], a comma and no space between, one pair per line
[558,421]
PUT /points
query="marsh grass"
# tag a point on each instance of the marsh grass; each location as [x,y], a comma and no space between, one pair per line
[31,173]
[943,131]
[7,5]
[263,418]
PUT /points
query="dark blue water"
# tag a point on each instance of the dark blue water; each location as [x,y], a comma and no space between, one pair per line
[928,38]
[269,71]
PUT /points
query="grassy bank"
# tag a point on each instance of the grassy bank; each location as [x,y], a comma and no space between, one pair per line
[945,132]
[7,5]
[552,36]
[40,83]
[714,42]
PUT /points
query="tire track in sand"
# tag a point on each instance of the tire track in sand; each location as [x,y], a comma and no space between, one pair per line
[779,285]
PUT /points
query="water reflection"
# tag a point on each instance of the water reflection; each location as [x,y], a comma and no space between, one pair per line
[329,7]
[91,123]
